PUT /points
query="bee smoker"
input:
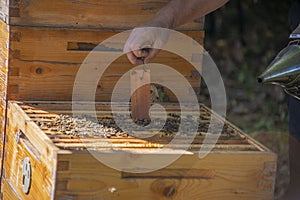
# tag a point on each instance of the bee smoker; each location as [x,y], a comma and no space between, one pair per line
[284,70]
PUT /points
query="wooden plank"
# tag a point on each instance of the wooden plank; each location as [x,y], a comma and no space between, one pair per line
[173,173]
[25,140]
[49,69]
[43,56]
[230,173]
[31,130]
[61,90]
[7,192]
[4,10]
[4,36]
[218,177]
[95,145]
[221,143]
[85,14]
[35,145]
[140,80]
[238,142]
[42,183]
[52,44]
[66,106]
[133,146]
[107,140]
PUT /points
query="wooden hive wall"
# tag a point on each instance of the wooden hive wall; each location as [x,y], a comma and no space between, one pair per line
[73,173]
[46,39]
[99,14]
[4,34]
[41,47]
[44,62]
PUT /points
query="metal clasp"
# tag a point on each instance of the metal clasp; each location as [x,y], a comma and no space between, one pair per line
[26,175]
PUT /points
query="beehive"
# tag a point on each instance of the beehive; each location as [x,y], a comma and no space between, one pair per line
[43,44]
[63,168]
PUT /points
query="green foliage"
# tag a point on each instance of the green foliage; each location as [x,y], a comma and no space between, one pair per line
[243,37]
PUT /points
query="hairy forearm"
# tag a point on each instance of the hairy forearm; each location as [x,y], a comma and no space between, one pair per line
[173,15]
[179,12]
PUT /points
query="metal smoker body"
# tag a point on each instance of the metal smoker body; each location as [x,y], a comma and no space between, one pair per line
[284,70]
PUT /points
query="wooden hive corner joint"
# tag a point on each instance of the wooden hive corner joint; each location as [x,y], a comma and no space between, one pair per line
[14,12]
[14,3]
[14,7]
[15,53]
[267,178]
[15,36]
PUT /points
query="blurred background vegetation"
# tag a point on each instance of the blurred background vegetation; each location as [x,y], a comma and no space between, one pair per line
[243,37]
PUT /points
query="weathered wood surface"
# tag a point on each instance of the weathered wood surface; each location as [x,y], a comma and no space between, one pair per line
[44,63]
[227,173]
[25,139]
[218,176]
[140,80]
[7,192]
[4,10]
[44,112]
[101,14]
[4,35]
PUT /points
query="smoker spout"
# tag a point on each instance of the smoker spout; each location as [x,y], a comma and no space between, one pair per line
[284,68]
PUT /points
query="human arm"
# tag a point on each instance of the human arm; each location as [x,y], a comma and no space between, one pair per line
[173,15]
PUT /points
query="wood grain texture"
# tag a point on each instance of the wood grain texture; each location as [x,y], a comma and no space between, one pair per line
[44,111]
[7,191]
[4,10]
[25,139]
[140,80]
[218,176]
[226,173]
[44,62]
[101,14]
[4,37]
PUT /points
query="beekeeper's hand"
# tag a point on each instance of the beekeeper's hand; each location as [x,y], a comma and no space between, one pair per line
[144,44]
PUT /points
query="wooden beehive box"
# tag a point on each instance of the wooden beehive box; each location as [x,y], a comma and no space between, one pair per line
[63,168]
[43,44]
